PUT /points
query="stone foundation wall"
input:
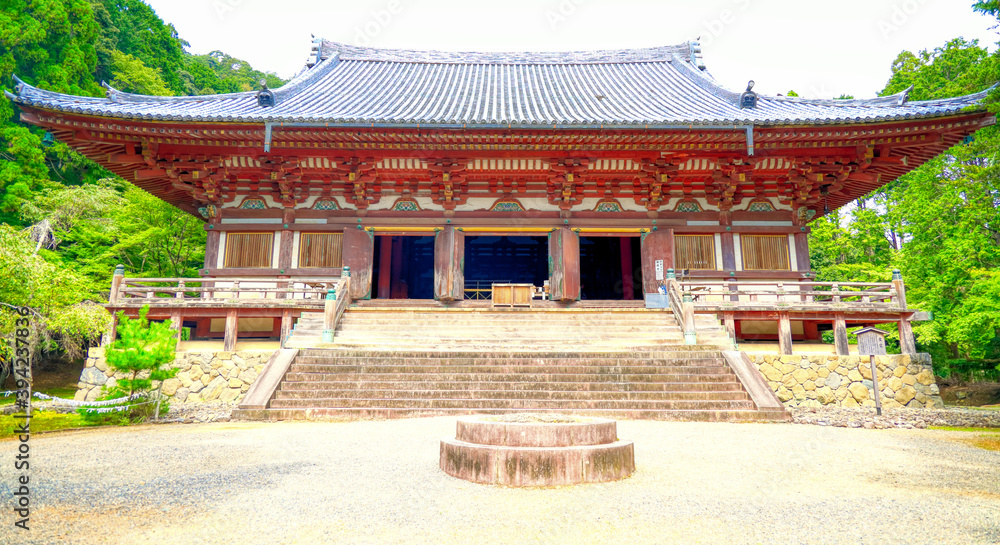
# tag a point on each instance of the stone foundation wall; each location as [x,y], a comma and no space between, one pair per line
[203,377]
[817,380]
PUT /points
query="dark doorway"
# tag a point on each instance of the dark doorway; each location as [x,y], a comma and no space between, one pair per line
[403,267]
[610,268]
[490,260]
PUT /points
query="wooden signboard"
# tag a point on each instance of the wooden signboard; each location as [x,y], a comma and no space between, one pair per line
[512,295]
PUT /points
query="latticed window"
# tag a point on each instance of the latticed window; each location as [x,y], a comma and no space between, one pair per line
[248,250]
[694,251]
[765,252]
[321,250]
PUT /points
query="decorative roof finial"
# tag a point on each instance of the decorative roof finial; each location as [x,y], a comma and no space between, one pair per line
[265,97]
[749,98]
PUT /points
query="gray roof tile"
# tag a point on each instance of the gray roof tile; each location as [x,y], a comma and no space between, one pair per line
[618,88]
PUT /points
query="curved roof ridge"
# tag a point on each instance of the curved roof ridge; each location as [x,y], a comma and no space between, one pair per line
[664,53]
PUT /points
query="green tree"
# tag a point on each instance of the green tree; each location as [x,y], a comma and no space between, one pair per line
[144,352]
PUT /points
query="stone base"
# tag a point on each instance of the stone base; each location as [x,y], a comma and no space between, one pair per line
[536,450]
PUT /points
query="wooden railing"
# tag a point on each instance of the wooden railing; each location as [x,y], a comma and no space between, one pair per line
[193,292]
[337,300]
[709,296]
[682,307]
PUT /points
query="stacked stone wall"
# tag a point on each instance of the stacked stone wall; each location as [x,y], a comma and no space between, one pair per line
[818,380]
[202,377]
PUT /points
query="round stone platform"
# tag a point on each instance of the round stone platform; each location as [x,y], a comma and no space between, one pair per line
[536,450]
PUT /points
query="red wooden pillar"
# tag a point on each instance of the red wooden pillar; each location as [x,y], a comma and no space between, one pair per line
[564,265]
[626,252]
[396,272]
[802,252]
[449,265]
[384,267]
[656,246]
[727,242]
[359,254]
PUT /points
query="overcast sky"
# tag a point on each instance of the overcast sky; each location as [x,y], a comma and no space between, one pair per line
[820,49]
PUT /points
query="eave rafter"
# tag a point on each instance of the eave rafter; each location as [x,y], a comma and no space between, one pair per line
[191,164]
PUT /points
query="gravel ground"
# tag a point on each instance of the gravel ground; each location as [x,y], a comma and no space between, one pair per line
[378,482]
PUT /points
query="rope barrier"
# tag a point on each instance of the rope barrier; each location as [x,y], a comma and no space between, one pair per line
[88,406]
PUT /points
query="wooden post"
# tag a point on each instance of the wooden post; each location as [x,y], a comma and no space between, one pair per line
[212,247]
[449,256]
[564,265]
[384,267]
[656,246]
[626,255]
[687,308]
[730,322]
[232,325]
[784,334]
[840,334]
[728,243]
[286,326]
[396,272]
[176,323]
[329,314]
[117,279]
[907,343]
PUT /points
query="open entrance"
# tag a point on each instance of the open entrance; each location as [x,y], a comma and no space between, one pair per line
[503,260]
[403,267]
[610,268]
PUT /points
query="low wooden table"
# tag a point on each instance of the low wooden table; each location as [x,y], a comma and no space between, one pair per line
[513,295]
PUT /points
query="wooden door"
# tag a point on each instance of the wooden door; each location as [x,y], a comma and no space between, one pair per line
[359,255]
[656,245]
[564,265]
[449,265]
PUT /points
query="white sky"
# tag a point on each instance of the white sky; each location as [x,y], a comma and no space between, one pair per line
[820,49]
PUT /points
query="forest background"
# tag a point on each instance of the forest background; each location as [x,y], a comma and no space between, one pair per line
[65,222]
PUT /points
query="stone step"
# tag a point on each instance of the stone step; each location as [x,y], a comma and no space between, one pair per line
[459,343]
[423,328]
[473,394]
[404,360]
[659,352]
[504,403]
[727,377]
[678,415]
[420,382]
[526,369]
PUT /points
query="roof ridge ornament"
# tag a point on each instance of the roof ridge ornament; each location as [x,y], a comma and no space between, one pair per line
[749,98]
[696,59]
[265,97]
[904,96]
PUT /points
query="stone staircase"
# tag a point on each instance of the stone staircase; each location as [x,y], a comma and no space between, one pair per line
[410,361]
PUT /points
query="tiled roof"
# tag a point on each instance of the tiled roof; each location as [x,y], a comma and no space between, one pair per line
[357,86]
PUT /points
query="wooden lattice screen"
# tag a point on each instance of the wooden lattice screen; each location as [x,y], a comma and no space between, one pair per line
[765,252]
[321,250]
[248,250]
[694,251]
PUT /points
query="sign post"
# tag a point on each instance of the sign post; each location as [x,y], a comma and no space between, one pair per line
[871,343]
